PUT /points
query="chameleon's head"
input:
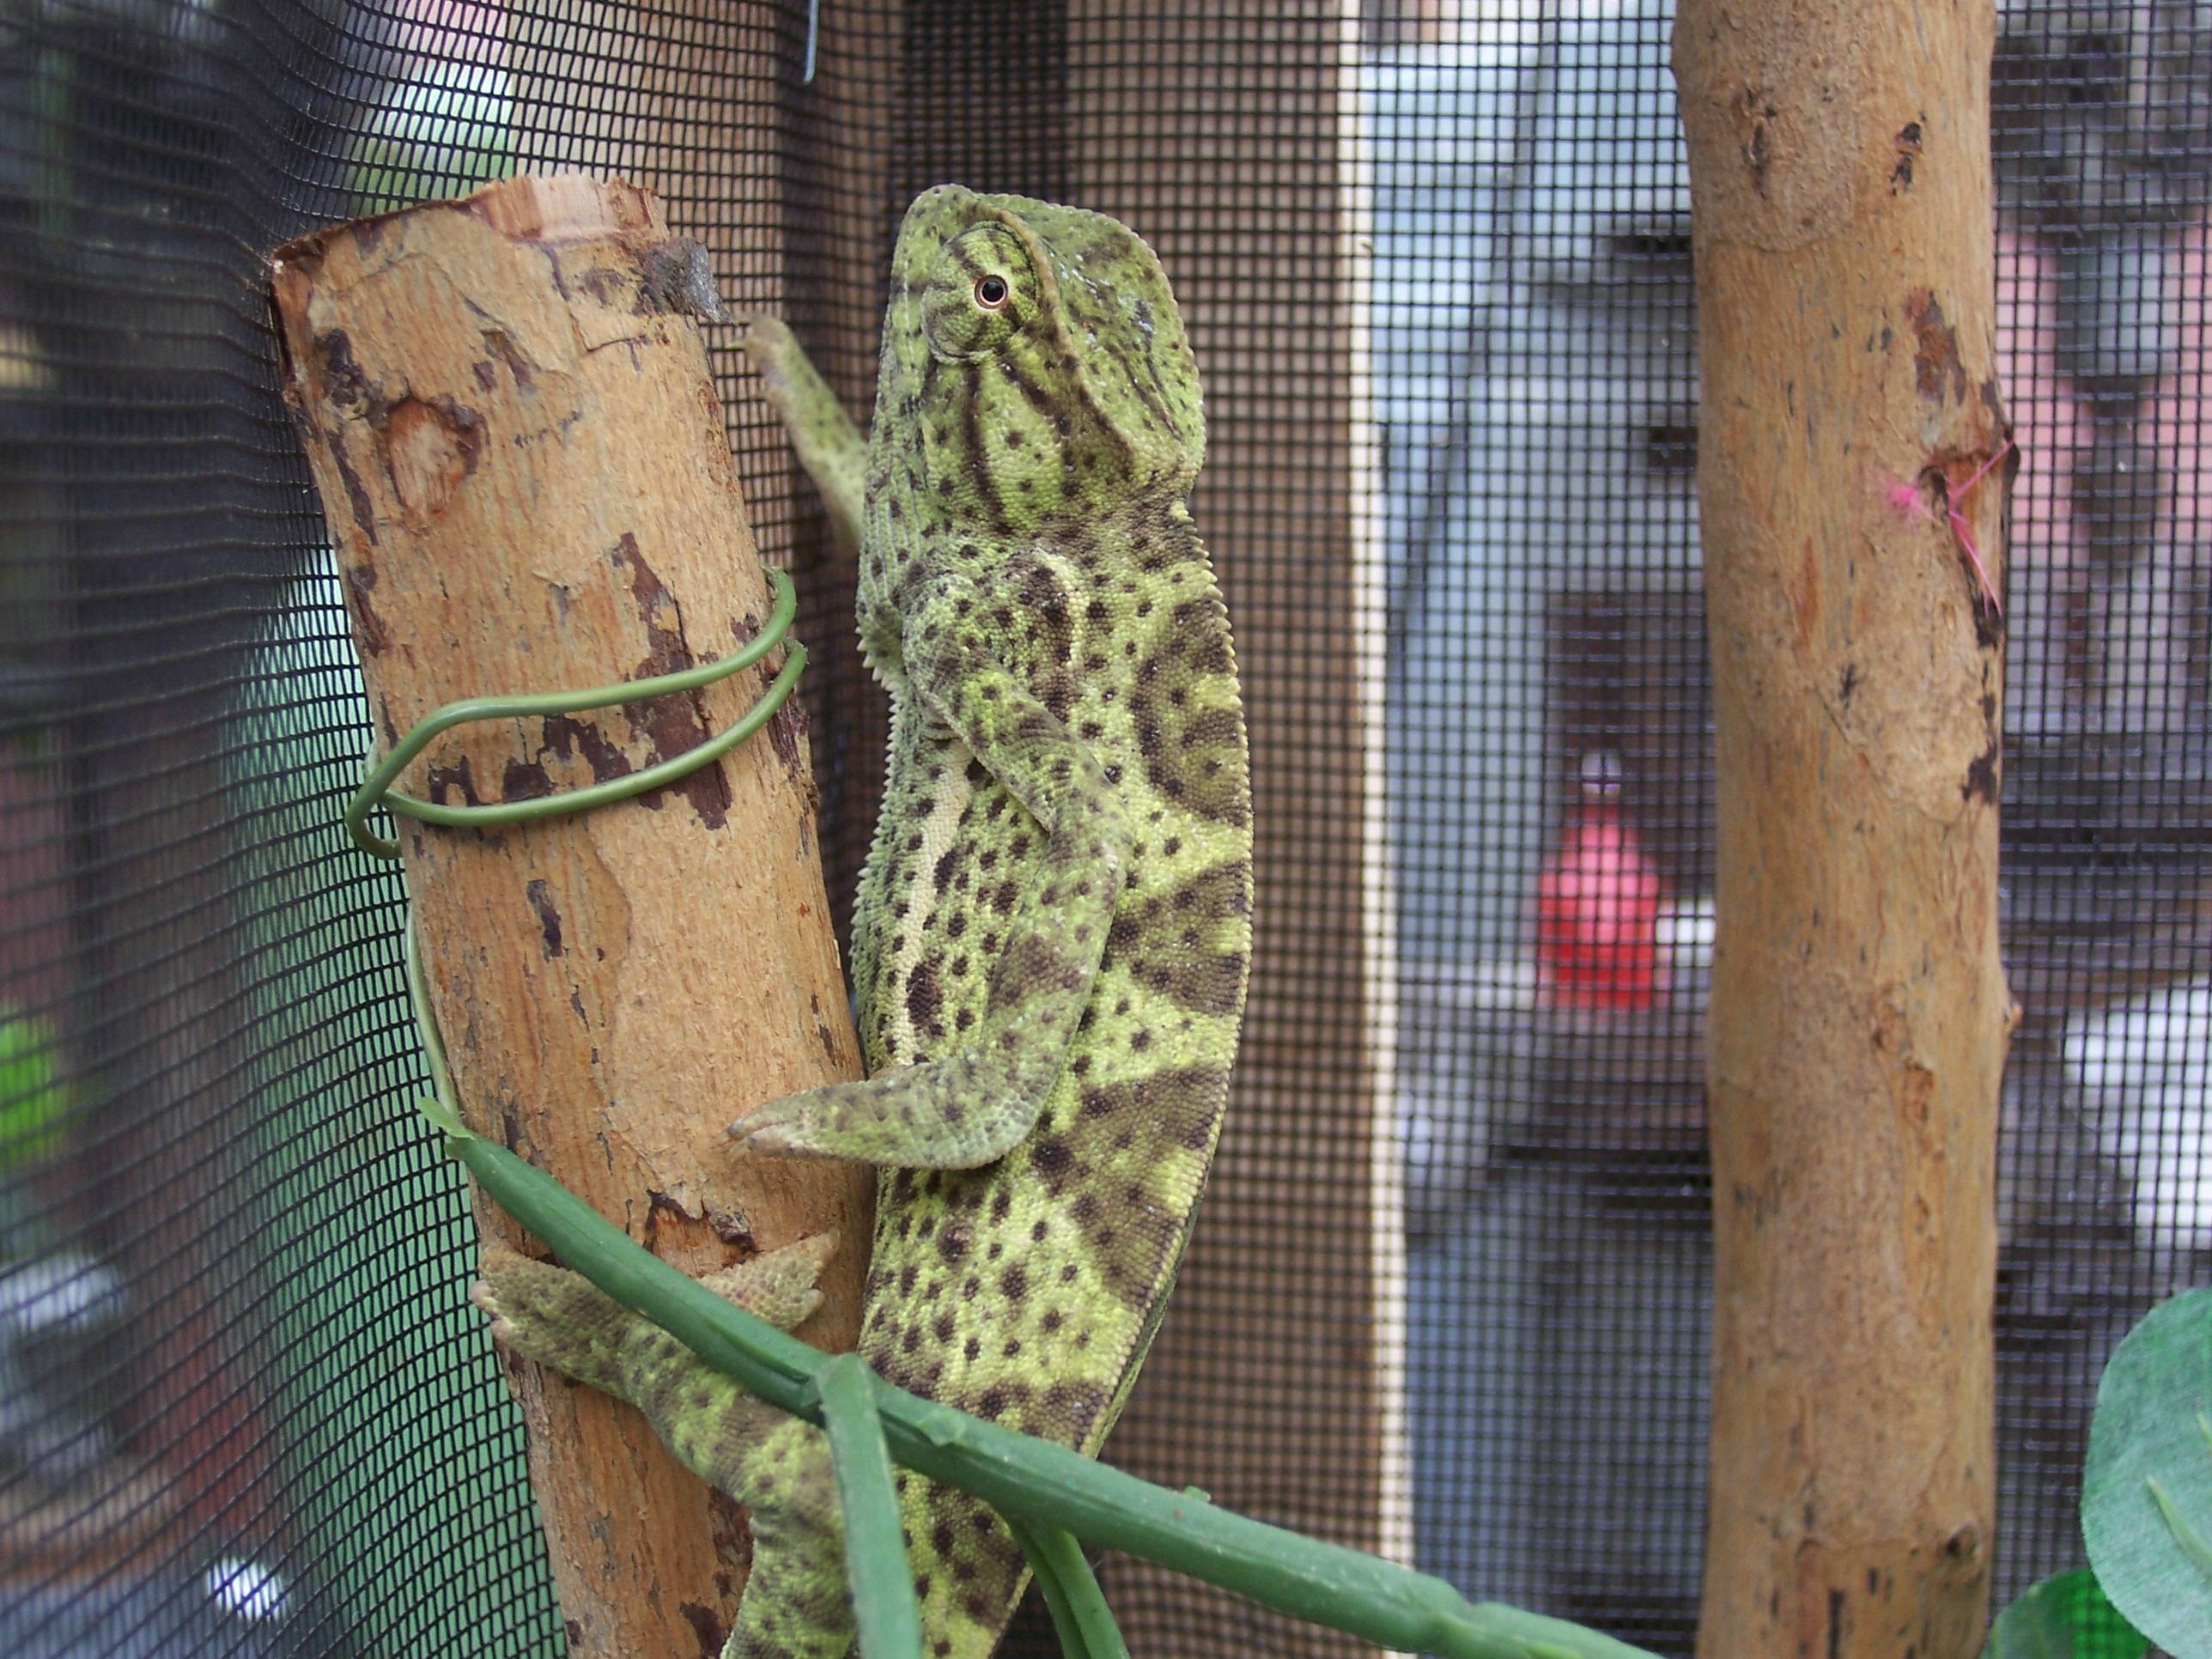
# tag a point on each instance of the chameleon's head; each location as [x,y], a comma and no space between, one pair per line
[1035,360]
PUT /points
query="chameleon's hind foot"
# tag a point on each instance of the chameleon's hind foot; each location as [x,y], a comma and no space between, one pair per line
[553,1317]
[534,1305]
[561,1320]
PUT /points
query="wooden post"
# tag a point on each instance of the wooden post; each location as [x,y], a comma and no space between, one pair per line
[1839,165]
[524,470]
[788,187]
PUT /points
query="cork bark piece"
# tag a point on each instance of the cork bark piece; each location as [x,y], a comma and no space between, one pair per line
[524,467]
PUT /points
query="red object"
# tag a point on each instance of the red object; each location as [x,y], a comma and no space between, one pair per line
[1597,914]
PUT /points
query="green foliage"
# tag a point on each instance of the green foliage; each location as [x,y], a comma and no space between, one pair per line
[33,1100]
[2064,1617]
[2147,1488]
[441,131]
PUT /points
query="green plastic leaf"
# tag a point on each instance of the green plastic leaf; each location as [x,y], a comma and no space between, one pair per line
[2147,1488]
[2065,1617]
[884,1605]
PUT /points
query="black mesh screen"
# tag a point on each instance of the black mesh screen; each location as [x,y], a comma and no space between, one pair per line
[1450,1297]
[2103,125]
[1549,730]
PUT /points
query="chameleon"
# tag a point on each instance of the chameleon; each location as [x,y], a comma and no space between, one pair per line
[1053,930]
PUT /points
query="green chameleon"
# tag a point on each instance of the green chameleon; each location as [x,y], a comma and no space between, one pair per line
[1054,925]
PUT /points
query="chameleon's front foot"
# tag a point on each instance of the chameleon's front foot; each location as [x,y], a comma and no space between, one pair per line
[835,1120]
[956,1113]
[829,445]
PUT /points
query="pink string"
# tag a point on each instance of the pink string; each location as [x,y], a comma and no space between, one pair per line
[1965,531]
[1905,497]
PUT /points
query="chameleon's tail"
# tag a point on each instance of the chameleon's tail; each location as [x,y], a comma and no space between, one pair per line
[796,1605]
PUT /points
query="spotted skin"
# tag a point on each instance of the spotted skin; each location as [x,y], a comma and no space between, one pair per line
[1053,926]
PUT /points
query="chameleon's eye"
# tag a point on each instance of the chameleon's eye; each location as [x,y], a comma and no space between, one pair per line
[983,291]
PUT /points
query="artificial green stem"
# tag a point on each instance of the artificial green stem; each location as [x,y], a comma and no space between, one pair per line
[875,1546]
[1042,1569]
[1099,1637]
[1341,1588]
[444,1109]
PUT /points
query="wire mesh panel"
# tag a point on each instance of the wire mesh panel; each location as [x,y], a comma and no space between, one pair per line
[1550,760]
[244,1410]
[1451,1296]
[2104,140]
[1551,802]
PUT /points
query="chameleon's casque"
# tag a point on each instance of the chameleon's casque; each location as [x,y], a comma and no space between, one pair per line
[1054,928]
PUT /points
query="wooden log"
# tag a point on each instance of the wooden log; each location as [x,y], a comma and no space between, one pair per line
[524,467]
[1852,470]
[788,187]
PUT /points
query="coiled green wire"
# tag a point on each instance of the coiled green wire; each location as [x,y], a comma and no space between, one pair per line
[376,789]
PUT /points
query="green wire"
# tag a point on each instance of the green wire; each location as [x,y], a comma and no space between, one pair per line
[876,1563]
[377,788]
